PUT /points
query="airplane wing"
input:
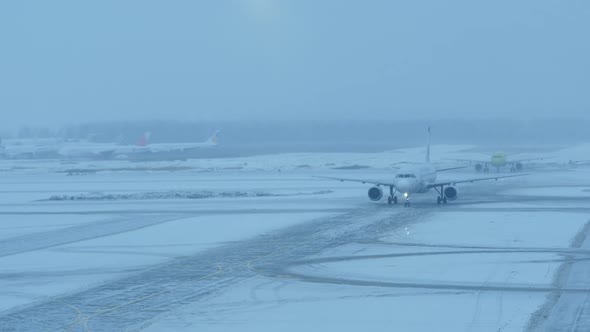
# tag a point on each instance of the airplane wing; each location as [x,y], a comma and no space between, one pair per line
[449,183]
[377,183]
[471,161]
[512,161]
[450,168]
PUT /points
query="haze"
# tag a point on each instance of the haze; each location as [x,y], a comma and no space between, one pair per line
[66,62]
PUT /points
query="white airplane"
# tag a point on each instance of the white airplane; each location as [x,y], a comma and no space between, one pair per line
[97,151]
[181,147]
[115,151]
[101,150]
[28,148]
[575,163]
[417,180]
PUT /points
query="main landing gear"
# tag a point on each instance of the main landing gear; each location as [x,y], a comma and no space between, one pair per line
[441,197]
[392,199]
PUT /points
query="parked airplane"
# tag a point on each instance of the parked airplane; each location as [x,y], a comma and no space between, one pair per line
[416,180]
[180,147]
[115,151]
[498,160]
[575,163]
[75,150]
[28,148]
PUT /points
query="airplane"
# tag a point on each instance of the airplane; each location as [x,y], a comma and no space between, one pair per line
[575,163]
[417,179]
[116,151]
[212,141]
[498,160]
[28,148]
[92,150]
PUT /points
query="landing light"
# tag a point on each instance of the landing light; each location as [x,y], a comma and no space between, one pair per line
[406,195]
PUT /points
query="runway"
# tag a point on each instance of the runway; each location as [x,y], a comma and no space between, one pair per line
[277,261]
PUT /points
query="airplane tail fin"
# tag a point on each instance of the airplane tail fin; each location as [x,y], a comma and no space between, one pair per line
[428,147]
[145,139]
[213,138]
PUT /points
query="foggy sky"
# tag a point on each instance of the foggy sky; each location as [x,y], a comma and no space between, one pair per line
[71,61]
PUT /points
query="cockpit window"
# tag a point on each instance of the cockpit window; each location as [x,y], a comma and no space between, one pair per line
[405,176]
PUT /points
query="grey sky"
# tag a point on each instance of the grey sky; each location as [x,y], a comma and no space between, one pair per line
[72,61]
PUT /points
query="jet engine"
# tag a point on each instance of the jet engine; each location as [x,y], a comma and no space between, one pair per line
[518,166]
[375,193]
[478,167]
[451,193]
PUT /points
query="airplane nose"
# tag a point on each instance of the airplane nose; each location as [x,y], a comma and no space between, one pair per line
[404,186]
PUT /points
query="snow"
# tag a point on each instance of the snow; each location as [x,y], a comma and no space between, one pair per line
[506,229]
[80,265]
[443,259]
[34,275]
[20,225]
[574,191]
[264,305]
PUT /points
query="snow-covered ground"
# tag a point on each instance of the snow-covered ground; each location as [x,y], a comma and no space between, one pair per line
[259,244]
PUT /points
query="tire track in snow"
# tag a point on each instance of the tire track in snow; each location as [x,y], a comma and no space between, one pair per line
[133,301]
[86,231]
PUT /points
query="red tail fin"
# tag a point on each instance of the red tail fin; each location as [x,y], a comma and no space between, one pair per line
[144,140]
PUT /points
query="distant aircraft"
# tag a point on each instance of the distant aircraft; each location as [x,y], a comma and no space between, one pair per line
[575,163]
[416,180]
[116,151]
[28,148]
[83,150]
[498,160]
[180,147]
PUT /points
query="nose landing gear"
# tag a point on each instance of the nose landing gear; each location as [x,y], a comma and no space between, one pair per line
[392,199]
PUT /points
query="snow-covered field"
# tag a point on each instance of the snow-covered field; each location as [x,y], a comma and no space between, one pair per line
[259,244]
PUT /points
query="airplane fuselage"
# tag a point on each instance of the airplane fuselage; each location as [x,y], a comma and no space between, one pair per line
[415,180]
[498,159]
